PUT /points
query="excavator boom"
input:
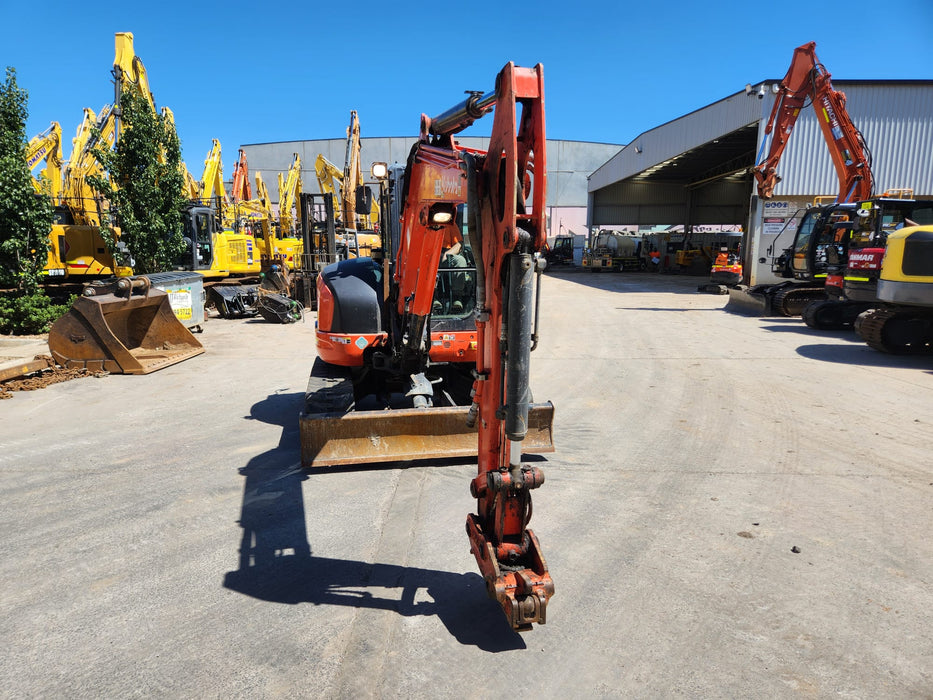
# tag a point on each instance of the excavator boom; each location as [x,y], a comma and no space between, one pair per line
[807,79]
[241,187]
[47,146]
[329,179]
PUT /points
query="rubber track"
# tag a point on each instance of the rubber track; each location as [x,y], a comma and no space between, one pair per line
[330,389]
[793,300]
[870,328]
[872,324]
[826,315]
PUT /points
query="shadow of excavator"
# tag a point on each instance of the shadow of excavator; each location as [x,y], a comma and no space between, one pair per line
[276,563]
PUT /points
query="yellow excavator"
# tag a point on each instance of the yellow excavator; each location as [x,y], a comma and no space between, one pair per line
[358,231]
[215,250]
[365,221]
[125,324]
[903,322]
[78,252]
[285,242]
[329,179]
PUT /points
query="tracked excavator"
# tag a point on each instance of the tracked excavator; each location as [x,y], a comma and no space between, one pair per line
[424,352]
[124,324]
[852,285]
[806,80]
[903,322]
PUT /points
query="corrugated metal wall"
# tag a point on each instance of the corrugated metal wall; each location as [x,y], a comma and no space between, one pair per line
[896,120]
[638,202]
[654,203]
[721,202]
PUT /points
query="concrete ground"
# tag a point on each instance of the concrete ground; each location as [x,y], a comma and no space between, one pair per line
[737,507]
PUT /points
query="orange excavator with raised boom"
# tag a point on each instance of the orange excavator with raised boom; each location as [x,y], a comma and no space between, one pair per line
[806,81]
[434,337]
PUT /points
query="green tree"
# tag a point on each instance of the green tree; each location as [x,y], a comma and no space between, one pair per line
[25,223]
[25,219]
[145,188]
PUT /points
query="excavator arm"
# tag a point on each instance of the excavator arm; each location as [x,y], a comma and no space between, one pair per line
[241,187]
[807,78]
[100,130]
[289,189]
[511,188]
[330,179]
[262,194]
[505,190]
[94,132]
[47,146]
[352,172]
[129,71]
[212,180]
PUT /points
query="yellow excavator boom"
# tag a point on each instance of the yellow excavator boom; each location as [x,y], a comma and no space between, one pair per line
[212,180]
[47,146]
[128,69]
[289,189]
[330,181]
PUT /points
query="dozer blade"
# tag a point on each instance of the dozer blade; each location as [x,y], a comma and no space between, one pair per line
[749,302]
[123,327]
[372,437]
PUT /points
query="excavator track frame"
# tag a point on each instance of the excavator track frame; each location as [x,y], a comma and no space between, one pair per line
[897,331]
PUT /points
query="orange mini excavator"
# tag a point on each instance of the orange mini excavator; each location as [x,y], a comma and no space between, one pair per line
[424,352]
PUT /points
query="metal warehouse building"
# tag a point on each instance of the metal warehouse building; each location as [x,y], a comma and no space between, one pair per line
[696,170]
[569,165]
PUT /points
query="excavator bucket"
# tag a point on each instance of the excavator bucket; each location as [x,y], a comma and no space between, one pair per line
[124,326]
[371,437]
[749,301]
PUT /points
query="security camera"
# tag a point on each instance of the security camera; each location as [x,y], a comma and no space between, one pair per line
[761,91]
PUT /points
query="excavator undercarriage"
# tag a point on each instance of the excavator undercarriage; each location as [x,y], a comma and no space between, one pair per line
[897,331]
[786,299]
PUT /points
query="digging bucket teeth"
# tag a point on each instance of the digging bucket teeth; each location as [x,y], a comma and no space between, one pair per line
[123,326]
[372,437]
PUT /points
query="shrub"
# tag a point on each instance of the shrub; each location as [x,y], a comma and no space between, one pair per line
[29,314]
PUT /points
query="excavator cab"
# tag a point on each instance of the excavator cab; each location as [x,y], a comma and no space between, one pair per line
[821,241]
[200,225]
[455,292]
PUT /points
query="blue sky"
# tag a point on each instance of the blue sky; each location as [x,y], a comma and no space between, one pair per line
[261,72]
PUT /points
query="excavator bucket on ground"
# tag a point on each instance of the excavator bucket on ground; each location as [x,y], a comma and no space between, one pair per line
[123,326]
[370,437]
